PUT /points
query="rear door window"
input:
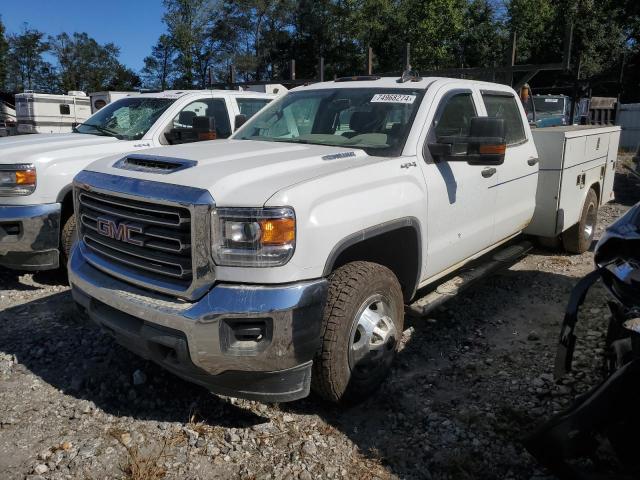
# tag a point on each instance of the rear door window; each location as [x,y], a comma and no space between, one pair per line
[206,107]
[505,106]
[251,106]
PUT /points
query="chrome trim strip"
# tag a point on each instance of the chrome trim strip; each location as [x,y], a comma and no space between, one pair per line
[199,203]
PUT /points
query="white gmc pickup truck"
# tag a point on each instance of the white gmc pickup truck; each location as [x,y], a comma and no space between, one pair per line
[36,171]
[282,259]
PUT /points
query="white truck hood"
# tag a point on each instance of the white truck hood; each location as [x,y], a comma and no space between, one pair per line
[58,158]
[244,172]
[43,147]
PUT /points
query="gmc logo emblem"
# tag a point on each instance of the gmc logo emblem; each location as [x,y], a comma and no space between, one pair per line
[121,232]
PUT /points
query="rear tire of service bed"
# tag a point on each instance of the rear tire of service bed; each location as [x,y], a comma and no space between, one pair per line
[579,237]
[361,330]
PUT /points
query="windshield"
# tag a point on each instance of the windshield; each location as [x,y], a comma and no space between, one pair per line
[373,119]
[549,105]
[127,118]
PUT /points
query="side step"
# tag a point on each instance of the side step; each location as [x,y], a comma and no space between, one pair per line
[467,276]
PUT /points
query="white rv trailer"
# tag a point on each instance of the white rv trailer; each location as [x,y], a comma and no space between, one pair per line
[47,113]
[7,119]
[101,99]
[7,113]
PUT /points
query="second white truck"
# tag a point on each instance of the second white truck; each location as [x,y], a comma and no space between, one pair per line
[284,258]
[37,225]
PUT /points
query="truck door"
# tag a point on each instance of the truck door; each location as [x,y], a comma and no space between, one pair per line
[460,197]
[517,177]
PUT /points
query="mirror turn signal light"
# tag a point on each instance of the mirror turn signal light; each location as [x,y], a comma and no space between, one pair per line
[492,149]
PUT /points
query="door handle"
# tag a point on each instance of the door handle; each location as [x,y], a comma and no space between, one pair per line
[488,172]
[532,161]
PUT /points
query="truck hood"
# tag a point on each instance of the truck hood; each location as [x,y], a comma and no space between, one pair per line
[243,172]
[43,148]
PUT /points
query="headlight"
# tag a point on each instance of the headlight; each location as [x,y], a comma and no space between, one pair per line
[253,237]
[17,180]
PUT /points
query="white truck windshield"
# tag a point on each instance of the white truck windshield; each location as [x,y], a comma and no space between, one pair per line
[375,120]
[126,119]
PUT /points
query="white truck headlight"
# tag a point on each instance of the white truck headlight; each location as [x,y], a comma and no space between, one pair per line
[253,237]
[16,180]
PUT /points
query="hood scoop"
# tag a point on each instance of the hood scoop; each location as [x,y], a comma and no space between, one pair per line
[153,164]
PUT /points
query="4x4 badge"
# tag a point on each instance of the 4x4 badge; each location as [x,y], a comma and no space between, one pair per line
[409,164]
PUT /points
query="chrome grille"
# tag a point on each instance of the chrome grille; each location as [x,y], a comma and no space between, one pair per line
[160,242]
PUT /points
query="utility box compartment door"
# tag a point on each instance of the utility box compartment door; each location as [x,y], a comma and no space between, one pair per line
[610,170]
[597,146]
[572,159]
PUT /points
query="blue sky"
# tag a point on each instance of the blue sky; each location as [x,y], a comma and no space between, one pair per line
[133,25]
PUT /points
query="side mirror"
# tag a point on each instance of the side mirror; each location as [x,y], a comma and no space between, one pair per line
[205,128]
[485,145]
[240,120]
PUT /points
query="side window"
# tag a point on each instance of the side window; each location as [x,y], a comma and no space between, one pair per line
[65,110]
[505,106]
[454,118]
[210,107]
[251,106]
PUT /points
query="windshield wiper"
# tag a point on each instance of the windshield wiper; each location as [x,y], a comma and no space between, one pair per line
[101,129]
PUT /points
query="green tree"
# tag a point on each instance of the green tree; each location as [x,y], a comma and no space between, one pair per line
[159,66]
[4,50]
[26,68]
[188,24]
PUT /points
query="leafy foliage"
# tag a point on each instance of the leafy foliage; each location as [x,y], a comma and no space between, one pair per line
[204,38]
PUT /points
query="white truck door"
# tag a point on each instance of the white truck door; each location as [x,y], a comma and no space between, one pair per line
[460,197]
[517,177]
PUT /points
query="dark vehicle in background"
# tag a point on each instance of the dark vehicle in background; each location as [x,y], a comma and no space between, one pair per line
[596,438]
[550,111]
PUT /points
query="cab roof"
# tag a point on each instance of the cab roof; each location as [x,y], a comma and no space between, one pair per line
[175,94]
[392,83]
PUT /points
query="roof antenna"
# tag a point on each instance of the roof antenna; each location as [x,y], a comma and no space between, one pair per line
[409,75]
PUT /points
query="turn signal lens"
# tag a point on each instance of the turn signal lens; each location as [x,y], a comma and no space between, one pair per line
[278,231]
[492,149]
[26,177]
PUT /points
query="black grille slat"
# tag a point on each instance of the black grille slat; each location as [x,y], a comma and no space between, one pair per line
[133,210]
[165,236]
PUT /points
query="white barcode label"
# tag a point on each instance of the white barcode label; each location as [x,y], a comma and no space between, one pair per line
[393,98]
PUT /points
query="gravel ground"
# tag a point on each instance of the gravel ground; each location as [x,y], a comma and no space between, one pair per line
[470,382]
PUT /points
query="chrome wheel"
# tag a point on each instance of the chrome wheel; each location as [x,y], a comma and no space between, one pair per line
[590,221]
[373,336]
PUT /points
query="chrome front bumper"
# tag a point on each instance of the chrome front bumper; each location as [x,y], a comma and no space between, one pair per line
[248,341]
[29,236]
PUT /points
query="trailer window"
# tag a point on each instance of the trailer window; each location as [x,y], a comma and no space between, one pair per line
[505,106]
[65,110]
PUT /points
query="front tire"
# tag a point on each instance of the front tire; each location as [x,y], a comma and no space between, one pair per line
[362,327]
[578,238]
[68,237]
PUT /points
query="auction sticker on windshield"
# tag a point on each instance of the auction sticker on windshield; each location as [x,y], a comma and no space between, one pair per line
[393,98]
